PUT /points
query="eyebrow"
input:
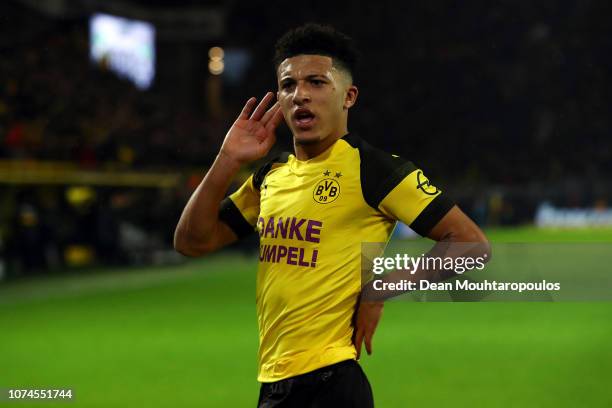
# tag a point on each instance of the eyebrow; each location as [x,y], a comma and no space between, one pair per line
[310,76]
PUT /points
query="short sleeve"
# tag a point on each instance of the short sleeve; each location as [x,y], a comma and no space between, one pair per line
[398,188]
[416,202]
[240,209]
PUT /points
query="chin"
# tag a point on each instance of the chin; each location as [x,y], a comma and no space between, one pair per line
[306,138]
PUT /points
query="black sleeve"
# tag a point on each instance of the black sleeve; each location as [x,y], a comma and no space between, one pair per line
[231,215]
[229,212]
[432,214]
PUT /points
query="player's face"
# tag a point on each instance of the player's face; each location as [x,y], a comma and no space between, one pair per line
[313,97]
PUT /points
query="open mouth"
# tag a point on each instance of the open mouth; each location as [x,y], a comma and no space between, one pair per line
[304,118]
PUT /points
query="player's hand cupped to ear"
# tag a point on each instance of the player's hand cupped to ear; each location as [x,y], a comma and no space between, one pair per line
[366,320]
[252,135]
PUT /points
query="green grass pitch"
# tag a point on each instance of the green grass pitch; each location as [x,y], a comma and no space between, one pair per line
[186,336]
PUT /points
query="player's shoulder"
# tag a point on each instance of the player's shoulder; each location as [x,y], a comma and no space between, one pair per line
[380,170]
[376,160]
[260,173]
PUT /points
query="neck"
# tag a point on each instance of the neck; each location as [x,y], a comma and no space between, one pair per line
[307,151]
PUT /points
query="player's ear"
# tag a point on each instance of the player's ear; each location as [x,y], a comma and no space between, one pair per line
[351,96]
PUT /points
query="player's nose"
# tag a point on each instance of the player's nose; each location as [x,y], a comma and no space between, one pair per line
[301,94]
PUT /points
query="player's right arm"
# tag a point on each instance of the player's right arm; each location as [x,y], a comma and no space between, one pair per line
[200,230]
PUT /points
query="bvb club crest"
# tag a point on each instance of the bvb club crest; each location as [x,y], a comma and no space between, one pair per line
[326,191]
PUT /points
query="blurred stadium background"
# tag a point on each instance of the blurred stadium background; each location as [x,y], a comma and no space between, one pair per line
[110,112]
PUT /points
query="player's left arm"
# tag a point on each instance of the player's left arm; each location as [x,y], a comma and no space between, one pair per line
[411,198]
[457,236]
[431,213]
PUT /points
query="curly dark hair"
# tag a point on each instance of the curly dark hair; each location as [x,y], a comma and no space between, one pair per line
[318,40]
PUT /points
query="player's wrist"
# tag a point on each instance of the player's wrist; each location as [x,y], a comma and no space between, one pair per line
[228,161]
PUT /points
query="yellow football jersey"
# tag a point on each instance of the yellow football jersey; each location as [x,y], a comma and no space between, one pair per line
[312,217]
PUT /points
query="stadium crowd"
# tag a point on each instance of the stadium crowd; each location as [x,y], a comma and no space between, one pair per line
[518,84]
